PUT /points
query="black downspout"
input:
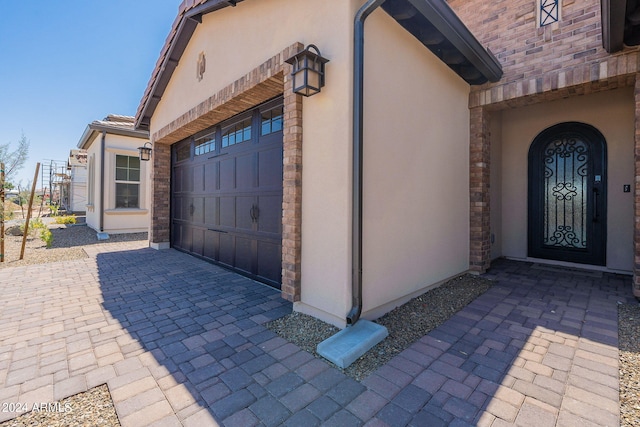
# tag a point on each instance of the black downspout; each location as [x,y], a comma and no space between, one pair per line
[102,151]
[358,138]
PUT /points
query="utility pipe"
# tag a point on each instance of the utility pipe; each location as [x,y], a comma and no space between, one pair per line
[358,139]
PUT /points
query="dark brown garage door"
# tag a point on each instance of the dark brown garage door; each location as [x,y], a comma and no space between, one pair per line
[227,193]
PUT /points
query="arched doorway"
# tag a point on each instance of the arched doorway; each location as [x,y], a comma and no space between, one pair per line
[567,194]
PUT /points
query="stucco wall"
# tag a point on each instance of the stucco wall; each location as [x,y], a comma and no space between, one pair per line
[416,184]
[612,113]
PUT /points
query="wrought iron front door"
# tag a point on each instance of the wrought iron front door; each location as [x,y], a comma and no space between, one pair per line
[567,194]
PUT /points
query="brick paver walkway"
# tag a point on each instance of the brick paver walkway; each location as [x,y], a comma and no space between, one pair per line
[182,342]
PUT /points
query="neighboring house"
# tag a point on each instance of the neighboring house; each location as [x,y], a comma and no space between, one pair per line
[118,197]
[77,166]
[249,175]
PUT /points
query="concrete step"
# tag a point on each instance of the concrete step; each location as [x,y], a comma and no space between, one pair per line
[352,342]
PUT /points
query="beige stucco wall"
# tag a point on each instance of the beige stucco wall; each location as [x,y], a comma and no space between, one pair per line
[117,220]
[416,184]
[416,156]
[612,113]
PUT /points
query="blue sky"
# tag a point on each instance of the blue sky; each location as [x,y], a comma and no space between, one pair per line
[65,63]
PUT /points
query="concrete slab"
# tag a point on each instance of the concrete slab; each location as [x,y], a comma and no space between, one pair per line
[102,236]
[349,344]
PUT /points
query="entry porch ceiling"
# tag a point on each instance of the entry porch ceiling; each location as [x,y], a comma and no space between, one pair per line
[437,27]
[620,24]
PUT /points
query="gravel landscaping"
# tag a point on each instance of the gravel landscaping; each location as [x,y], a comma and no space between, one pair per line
[629,345]
[405,324]
[91,408]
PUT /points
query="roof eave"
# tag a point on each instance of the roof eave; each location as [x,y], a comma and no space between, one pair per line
[161,77]
[93,129]
[443,19]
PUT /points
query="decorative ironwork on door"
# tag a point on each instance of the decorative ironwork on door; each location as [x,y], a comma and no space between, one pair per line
[566,167]
[567,194]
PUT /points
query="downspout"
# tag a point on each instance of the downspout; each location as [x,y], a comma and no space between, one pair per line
[358,139]
[102,155]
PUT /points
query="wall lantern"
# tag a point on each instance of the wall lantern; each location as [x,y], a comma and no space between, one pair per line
[308,71]
[145,152]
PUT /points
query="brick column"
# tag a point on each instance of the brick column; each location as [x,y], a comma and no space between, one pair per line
[161,196]
[479,175]
[636,215]
[292,191]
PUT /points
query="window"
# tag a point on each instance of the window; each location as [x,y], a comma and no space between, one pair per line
[206,144]
[92,180]
[183,153]
[127,182]
[549,12]
[271,121]
[237,133]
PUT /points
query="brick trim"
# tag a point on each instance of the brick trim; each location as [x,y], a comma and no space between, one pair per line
[268,80]
[610,73]
[479,191]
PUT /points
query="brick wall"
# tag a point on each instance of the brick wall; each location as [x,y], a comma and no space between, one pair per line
[559,57]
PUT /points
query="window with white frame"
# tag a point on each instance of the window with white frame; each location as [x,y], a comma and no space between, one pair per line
[548,12]
[127,181]
[91,191]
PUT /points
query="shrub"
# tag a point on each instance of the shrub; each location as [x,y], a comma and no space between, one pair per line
[39,228]
[66,219]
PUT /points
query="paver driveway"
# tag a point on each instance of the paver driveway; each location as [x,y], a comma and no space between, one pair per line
[182,342]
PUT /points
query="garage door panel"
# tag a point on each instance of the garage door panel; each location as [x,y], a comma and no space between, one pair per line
[197,211]
[211,177]
[270,214]
[197,242]
[198,178]
[228,174]
[243,254]
[244,207]
[270,261]
[270,169]
[227,249]
[245,171]
[211,244]
[211,211]
[228,211]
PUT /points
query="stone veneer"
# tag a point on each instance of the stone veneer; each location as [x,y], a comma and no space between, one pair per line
[270,79]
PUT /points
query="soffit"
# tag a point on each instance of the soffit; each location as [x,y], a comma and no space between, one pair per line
[438,28]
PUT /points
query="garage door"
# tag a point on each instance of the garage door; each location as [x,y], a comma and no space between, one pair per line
[227,193]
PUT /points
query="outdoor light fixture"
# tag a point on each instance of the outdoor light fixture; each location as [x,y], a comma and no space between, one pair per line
[308,71]
[145,152]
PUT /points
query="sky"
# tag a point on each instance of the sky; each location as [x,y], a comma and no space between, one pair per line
[66,63]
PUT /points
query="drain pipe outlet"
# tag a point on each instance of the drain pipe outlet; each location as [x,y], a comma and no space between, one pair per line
[358,127]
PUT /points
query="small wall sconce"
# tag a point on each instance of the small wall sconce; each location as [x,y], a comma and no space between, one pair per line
[145,152]
[308,71]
